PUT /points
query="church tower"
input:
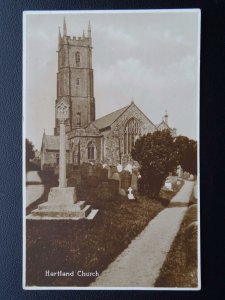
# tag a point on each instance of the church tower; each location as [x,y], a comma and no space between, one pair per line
[75,79]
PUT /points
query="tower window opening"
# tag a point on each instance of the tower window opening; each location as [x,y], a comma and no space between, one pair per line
[78,119]
[78,81]
[77,58]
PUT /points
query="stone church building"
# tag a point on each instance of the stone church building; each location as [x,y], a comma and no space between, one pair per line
[108,139]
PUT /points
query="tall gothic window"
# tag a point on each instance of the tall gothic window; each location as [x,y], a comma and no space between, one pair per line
[77,58]
[91,151]
[78,119]
[132,132]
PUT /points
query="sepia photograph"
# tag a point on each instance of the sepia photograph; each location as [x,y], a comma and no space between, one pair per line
[111,194]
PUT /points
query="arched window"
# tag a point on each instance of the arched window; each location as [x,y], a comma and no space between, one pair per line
[78,81]
[77,58]
[78,119]
[91,151]
[132,132]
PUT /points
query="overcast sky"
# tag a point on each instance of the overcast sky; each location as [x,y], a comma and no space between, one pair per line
[150,57]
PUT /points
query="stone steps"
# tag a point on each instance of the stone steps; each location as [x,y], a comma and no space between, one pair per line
[92,214]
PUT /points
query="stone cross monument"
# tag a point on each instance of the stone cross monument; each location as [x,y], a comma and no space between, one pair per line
[62,200]
[62,115]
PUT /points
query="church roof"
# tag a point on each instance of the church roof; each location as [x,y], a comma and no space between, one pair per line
[164,124]
[107,120]
[52,142]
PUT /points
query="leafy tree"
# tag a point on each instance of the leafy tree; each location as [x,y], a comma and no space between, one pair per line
[29,152]
[186,153]
[156,153]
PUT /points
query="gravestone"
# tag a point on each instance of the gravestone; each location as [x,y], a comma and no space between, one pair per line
[134,180]
[191,177]
[116,177]
[103,175]
[125,182]
[130,194]
[119,168]
[128,168]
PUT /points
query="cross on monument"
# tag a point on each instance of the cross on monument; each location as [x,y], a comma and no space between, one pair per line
[62,115]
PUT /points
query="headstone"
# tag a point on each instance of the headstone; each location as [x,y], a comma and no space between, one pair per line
[191,177]
[168,184]
[103,175]
[134,180]
[130,194]
[90,170]
[116,177]
[128,168]
[119,168]
[125,179]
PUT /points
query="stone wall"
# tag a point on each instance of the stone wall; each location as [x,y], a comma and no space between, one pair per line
[50,157]
[114,138]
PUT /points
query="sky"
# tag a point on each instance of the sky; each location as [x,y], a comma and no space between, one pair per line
[150,57]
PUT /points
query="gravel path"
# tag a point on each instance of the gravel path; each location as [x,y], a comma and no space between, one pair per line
[139,265]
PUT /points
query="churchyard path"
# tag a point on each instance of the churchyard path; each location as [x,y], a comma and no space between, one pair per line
[139,265]
[33,191]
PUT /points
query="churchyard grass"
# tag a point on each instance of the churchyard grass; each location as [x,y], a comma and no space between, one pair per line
[179,269]
[84,245]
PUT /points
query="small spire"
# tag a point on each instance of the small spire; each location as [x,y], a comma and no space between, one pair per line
[59,35]
[64,27]
[89,29]
[166,117]
[132,100]
[83,34]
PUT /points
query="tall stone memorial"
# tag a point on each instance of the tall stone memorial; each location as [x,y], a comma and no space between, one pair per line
[62,201]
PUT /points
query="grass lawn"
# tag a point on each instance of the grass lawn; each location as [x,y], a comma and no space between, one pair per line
[87,245]
[180,268]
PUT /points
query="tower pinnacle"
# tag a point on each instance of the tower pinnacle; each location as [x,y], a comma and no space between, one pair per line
[59,36]
[89,29]
[166,117]
[64,27]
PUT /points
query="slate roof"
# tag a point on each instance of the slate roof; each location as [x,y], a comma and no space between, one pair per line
[164,123]
[52,142]
[107,120]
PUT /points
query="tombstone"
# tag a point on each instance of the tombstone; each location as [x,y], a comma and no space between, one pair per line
[128,168]
[191,177]
[114,186]
[103,175]
[185,175]
[92,181]
[84,171]
[125,179]
[134,180]
[168,184]
[119,168]
[90,170]
[116,177]
[130,194]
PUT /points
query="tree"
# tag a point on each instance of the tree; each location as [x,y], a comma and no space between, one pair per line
[29,152]
[186,153]
[156,154]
